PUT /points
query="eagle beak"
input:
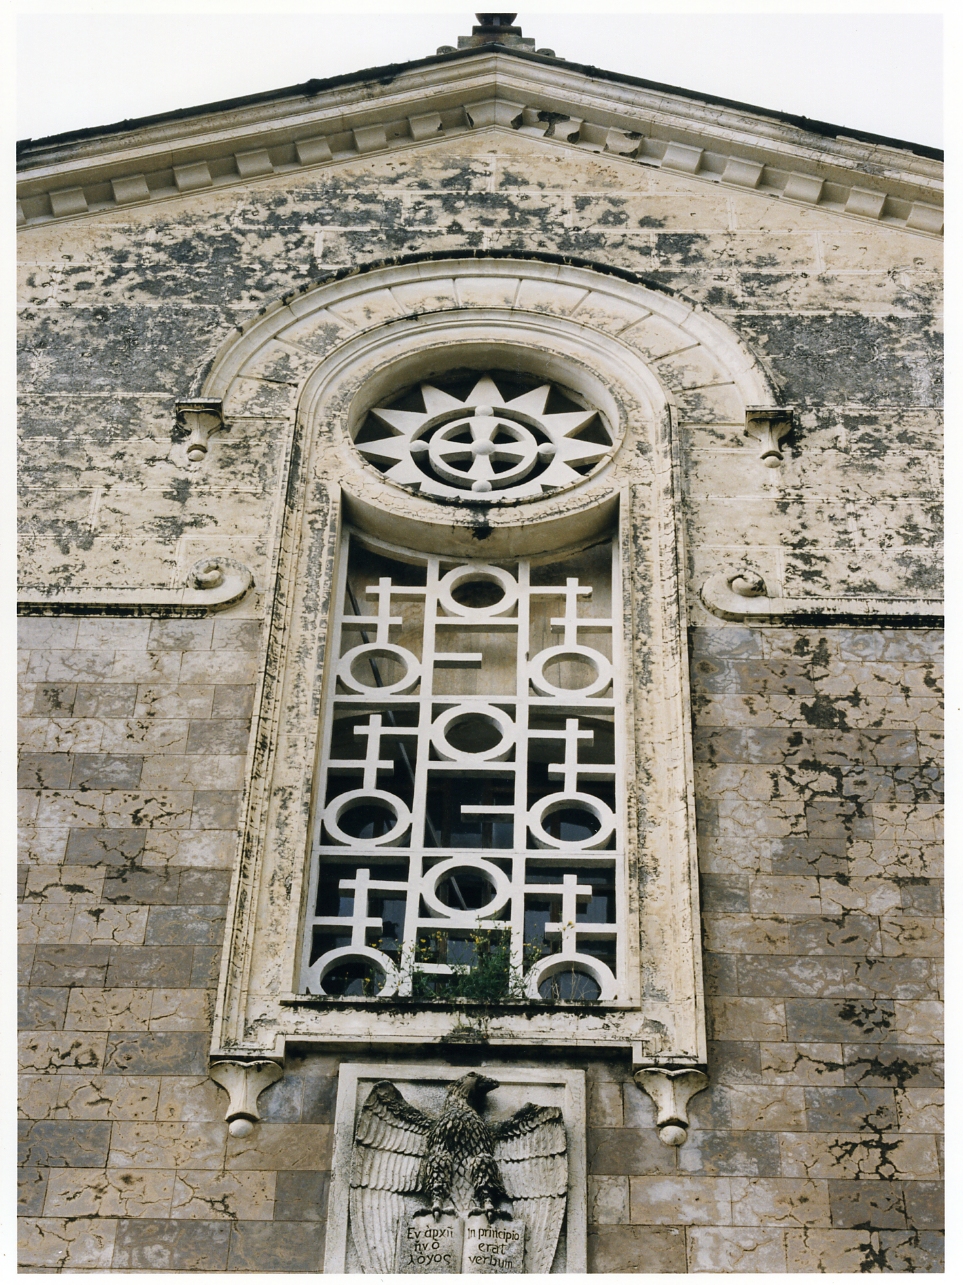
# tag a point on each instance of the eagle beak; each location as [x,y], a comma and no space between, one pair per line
[486,1085]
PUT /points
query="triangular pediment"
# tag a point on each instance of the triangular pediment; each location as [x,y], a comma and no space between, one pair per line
[739,150]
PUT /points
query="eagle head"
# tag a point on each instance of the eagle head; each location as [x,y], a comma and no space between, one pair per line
[472,1088]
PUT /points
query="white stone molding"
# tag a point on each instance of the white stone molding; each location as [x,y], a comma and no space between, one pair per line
[424,1087]
[671,1090]
[244,1083]
[199,417]
[212,584]
[457,290]
[614,344]
[741,594]
[769,425]
[499,91]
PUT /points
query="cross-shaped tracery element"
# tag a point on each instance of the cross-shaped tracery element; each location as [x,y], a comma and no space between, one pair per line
[372,763]
[571,622]
[571,768]
[383,619]
[453,449]
[568,958]
[359,919]
[570,894]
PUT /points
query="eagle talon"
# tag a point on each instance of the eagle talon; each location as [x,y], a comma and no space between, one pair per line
[490,1212]
[435,1211]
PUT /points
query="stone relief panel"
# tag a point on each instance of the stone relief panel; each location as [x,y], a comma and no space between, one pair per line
[437,1170]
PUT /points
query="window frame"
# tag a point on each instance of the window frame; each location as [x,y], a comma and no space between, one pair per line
[344,360]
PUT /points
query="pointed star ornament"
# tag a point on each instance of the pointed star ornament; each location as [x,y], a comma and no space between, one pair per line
[484,449]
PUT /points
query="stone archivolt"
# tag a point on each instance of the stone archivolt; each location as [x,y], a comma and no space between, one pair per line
[627,356]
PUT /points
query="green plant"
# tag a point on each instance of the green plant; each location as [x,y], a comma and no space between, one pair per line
[491,977]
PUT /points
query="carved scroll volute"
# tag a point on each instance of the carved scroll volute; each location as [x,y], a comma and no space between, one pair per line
[769,425]
[199,417]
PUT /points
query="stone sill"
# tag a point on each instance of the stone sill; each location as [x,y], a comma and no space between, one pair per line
[406,1004]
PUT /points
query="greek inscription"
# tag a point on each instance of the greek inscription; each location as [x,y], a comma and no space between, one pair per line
[425,1245]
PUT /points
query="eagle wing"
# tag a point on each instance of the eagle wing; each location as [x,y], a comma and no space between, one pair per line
[532,1155]
[389,1142]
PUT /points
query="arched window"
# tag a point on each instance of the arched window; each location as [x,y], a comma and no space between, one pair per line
[472,782]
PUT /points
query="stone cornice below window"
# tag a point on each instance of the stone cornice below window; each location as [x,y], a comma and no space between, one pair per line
[729,146]
[741,594]
[212,584]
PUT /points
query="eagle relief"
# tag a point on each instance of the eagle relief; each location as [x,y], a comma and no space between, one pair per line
[453,1192]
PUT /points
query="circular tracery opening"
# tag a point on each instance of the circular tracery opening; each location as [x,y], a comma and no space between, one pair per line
[485,438]
[465,888]
[473,734]
[570,983]
[354,977]
[477,593]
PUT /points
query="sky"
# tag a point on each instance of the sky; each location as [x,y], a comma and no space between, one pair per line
[880,72]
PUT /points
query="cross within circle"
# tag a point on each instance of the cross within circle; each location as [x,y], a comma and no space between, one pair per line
[485,448]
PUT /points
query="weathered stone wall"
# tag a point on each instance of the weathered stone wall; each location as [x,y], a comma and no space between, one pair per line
[815,1147]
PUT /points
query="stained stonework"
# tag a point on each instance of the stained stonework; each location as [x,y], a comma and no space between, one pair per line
[416,1189]
[816,743]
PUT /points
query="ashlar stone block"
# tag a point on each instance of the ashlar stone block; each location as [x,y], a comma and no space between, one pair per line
[204,1193]
[737,1249]
[48,1244]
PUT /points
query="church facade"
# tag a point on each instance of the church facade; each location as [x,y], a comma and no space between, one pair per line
[481,616]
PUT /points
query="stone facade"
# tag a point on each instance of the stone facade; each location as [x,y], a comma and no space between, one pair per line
[816,1146]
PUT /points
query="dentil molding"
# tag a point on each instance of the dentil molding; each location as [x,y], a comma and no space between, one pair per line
[502,90]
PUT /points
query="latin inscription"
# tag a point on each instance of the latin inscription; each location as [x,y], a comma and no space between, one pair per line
[499,1248]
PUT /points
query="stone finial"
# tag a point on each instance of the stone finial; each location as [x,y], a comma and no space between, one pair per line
[200,416]
[671,1090]
[244,1082]
[492,29]
[769,425]
[493,26]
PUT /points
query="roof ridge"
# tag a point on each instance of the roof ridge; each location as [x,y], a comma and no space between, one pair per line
[385,74]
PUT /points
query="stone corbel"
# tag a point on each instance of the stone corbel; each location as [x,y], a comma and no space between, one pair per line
[244,1083]
[741,594]
[769,425]
[213,583]
[670,1091]
[199,417]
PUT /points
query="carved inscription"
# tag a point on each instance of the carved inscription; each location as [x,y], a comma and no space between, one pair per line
[499,1248]
[426,1245]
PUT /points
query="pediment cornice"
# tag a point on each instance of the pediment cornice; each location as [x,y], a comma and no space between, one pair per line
[444,98]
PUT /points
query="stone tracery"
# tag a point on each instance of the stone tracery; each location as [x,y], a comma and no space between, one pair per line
[490,791]
[488,446]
